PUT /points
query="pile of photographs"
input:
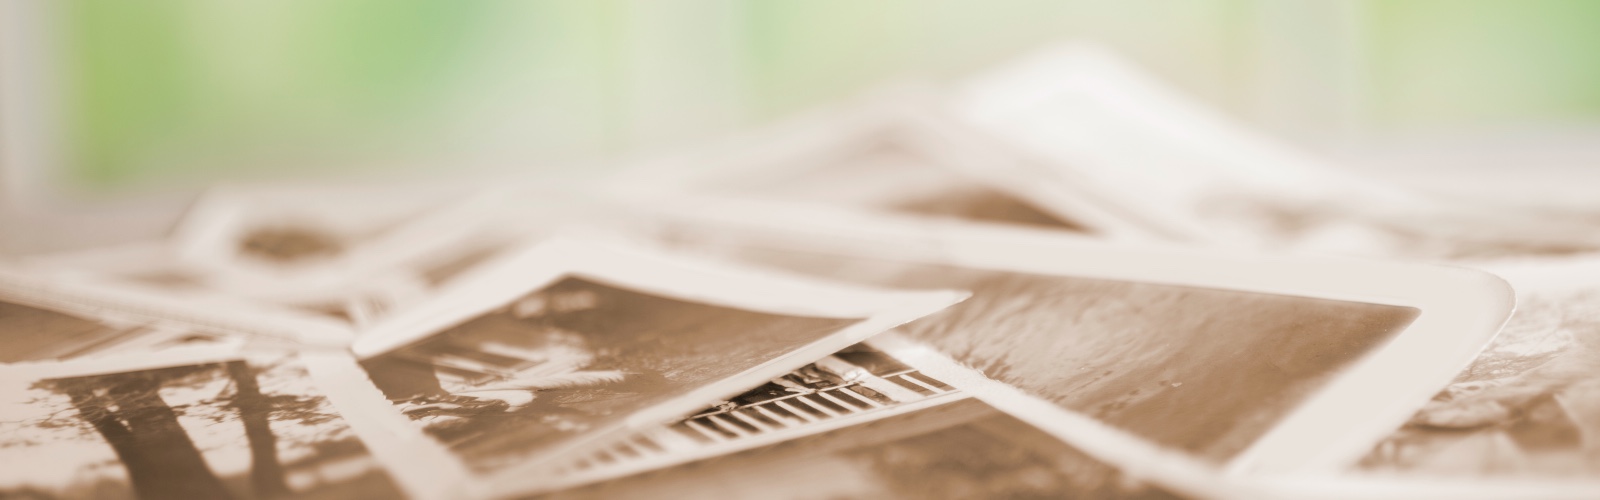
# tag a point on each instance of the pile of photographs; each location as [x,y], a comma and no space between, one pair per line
[1058,279]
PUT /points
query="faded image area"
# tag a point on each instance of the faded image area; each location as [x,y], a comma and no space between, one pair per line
[33,333]
[232,429]
[574,356]
[1203,370]
[964,449]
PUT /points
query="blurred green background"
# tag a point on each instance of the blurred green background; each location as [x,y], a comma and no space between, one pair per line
[163,92]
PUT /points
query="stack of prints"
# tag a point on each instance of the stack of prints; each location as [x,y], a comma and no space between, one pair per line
[1058,279]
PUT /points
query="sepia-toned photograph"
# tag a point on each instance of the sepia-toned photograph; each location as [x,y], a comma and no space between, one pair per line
[229,428]
[1235,364]
[1101,120]
[270,247]
[965,449]
[1529,405]
[299,226]
[382,252]
[150,316]
[570,358]
[506,384]
[1138,355]
[854,386]
[33,330]
[887,156]
[891,175]
[33,333]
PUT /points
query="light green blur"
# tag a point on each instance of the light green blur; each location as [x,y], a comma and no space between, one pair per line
[197,90]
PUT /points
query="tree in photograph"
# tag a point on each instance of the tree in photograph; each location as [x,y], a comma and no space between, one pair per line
[255,411]
[141,416]
[143,430]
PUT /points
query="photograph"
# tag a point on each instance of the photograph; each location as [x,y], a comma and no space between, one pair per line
[571,357]
[1138,354]
[39,326]
[297,225]
[965,449]
[33,333]
[891,154]
[573,342]
[336,254]
[1146,357]
[224,427]
[1529,406]
[1257,357]
[889,174]
[1174,166]
[857,385]
[348,253]
[149,315]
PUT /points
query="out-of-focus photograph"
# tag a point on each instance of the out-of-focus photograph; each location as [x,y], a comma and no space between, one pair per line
[428,249]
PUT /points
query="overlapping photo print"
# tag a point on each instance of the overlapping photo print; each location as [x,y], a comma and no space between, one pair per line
[572,343]
[1251,367]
